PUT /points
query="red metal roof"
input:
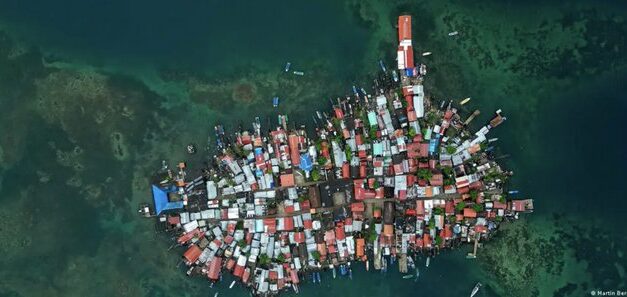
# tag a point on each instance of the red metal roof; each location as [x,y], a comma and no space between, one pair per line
[294,140]
[214,268]
[192,253]
[287,180]
[404,27]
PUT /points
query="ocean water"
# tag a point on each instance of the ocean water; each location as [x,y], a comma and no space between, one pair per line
[95,94]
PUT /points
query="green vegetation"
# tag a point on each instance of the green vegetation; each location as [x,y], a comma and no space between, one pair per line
[483,146]
[302,198]
[239,225]
[424,173]
[322,161]
[450,149]
[473,194]
[371,234]
[373,132]
[348,152]
[502,198]
[478,207]
[241,243]
[376,184]
[451,219]
[411,132]
[280,258]
[315,175]
[432,224]
[264,260]
[316,255]
[438,240]
[337,124]
[438,211]
[460,206]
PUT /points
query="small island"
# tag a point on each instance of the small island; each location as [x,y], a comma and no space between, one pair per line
[386,178]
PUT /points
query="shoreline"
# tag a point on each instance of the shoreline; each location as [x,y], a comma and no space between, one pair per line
[386,175]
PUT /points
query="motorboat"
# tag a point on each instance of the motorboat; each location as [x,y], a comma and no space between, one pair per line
[232,285]
[453,33]
[426,54]
[287,66]
[475,290]
[464,101]
[428,260]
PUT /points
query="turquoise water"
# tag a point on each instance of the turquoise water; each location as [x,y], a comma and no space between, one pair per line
[95,94]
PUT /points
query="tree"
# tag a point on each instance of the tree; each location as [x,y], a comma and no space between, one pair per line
[241,243]
[438,211]
[348,152]
[431,224]
[473,194]
[460,206]
[264,259]
[280,258]
[438,240]
[450,149]
[424,173]
[315,175]
[478,207]
[322,161]
[373,132]
[316,255]
[411,132]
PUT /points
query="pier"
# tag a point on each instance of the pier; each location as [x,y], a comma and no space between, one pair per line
[385,175]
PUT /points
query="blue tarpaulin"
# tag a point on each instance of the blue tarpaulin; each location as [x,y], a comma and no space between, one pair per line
[162,203]
[305,162]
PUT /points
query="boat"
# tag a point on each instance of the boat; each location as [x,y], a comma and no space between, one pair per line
[475,290]
[232,285]
[394,76]
[363,91]
[426,54]
[295,287]
[428,260]
[191,149]
[464,101]
[350,273]
[275,101]
[287,66]
[299,73]
[423,69]
[318,277]
[382,66]
[453,33]
[334,272]
[513,192]
[492,139]
[355,91]
[407,276]
[417,274]
[216,294]
[367,265]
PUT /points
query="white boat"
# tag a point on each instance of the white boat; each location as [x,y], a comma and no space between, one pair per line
[453,33]
[367,265]
[464,101]
[475,290]
[492,139]
[300,73]
[407,276]
[232,284]
[426,54]
[287,66]
[428,260]
[295,287]
[216,294]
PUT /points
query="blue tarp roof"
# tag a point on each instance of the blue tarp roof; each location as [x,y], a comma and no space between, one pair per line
[160,197]
[305,162]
